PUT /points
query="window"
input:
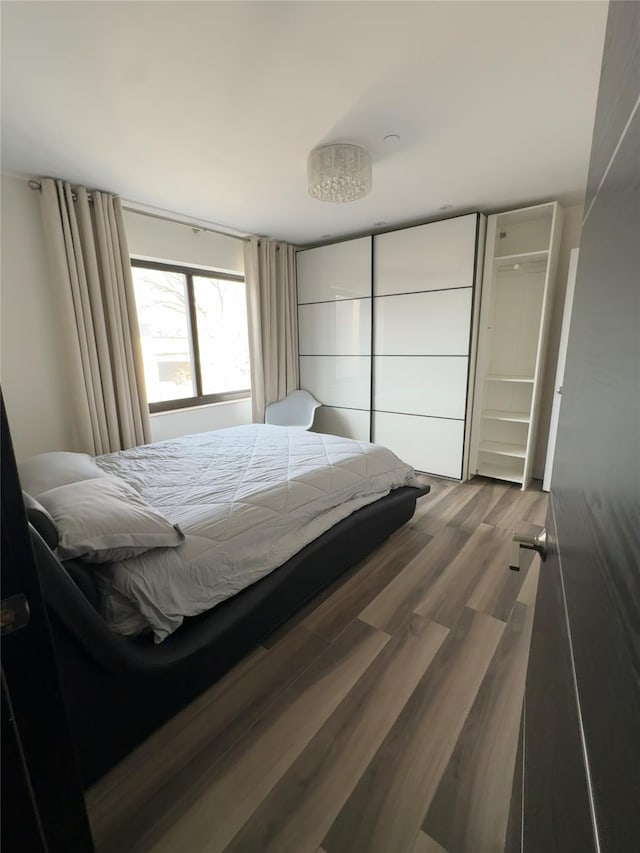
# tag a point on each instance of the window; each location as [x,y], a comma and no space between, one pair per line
[193,329]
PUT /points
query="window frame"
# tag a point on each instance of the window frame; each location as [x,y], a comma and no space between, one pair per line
[199,399]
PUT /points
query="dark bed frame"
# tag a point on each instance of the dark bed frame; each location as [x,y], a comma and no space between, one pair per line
[119,690]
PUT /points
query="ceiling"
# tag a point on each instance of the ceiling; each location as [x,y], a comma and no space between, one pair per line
[209,109]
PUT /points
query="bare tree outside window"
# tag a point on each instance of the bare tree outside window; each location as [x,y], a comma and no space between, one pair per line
[183,364]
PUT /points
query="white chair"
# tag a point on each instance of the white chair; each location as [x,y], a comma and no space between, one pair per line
[298,409]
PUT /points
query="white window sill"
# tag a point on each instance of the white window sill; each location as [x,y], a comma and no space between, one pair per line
[198,408]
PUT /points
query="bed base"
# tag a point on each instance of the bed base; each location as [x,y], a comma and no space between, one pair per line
[119,690]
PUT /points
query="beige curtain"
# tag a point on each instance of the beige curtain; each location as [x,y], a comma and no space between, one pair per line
[269,269]
[91,270]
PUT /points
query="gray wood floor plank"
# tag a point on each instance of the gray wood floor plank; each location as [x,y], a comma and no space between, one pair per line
[516,507]
[432,519]
[439,490]
[424,844]
[334,614]
[529,590]
[498,587]
[211,810]
[297,814]
[409,587]
[387,807]
[470,810]
[198,736]
[474,511]
[338,736]
[483,554]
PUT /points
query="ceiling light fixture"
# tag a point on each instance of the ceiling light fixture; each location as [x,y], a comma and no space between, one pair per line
[339,173]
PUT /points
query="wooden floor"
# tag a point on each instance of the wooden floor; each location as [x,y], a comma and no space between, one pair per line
[382,718]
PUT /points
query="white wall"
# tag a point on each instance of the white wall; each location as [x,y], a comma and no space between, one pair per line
[571,230]
[160,240]
[200,419]
[31,351]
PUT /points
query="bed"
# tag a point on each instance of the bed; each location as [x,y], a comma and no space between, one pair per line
[234,531]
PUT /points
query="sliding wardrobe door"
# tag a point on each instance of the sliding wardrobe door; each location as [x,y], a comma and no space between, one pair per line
[334,334]
[423,320]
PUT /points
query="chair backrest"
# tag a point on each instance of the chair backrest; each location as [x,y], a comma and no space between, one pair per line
[296,410]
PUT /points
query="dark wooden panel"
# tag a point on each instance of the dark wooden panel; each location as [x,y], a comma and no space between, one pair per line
[618,87]
[31,686]
[597,490]
[556,804]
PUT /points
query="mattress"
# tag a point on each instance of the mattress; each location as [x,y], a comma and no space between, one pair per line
[247,499]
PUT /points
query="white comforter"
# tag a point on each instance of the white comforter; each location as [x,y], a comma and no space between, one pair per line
[247,499]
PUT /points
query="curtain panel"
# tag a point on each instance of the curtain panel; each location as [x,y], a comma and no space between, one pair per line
[270,275]
[91,272]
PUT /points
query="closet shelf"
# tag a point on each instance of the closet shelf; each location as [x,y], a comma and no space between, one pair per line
[514,417]
[501,377]
[524,256]
[498,472]
[503,449]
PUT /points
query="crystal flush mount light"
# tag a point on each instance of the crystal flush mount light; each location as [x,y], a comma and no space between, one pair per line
[339,173]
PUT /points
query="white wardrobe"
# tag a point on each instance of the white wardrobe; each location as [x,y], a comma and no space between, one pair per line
[334,335]
[387,330]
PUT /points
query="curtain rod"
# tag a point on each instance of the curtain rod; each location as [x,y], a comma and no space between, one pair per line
[193,225]
[36,185]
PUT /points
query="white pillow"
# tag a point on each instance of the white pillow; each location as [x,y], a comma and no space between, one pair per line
[47,471]
[105,520]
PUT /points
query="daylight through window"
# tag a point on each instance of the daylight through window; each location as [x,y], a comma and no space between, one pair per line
[193,329]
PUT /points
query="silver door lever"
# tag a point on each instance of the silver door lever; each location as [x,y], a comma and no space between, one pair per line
[532,543]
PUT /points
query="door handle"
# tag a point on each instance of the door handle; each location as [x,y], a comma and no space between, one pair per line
[537,542]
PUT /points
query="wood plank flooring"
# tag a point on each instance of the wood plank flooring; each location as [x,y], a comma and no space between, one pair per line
[384,716]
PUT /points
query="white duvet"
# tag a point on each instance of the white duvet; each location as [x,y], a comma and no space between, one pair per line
[247,499]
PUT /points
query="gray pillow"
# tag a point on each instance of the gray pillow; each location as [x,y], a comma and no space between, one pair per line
[47,471]
[105,520]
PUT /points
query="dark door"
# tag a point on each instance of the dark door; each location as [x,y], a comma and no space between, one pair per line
[582,708]
[42,800]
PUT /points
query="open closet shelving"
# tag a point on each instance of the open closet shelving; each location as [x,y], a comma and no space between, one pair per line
[519,275]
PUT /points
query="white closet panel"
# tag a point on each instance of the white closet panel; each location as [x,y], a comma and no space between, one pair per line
[337,380]
[339,271]
[432,445]
[435,323]
[335,328]
[351,423]
[430,385]
[426,257]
